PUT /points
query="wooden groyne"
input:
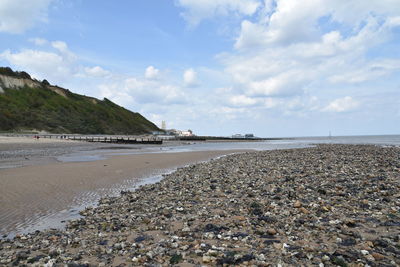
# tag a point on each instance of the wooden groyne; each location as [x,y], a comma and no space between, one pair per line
[97,139]
[128,140]
[116,140]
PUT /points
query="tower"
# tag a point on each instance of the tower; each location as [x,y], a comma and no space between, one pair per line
[164,125]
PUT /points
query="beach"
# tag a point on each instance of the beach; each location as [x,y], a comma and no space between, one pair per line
[28,151]
[42,192]
[330,205]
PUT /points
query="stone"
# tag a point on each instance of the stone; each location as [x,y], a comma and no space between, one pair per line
[271,231]
[297,204]
[377,256]
[304,210]
[206,259]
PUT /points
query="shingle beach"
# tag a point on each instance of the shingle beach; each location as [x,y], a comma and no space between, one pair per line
[329,205]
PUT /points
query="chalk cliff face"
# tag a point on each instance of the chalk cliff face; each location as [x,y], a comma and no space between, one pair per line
[27,104]
[16,83]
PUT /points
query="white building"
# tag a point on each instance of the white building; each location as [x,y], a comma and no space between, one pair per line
[186,133]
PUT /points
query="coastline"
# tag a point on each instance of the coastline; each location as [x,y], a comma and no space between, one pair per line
[331,205]
[31,194]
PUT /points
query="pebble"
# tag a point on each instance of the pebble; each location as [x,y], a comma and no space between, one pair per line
[328,205]
[304,210]
[377,256]
[271,231]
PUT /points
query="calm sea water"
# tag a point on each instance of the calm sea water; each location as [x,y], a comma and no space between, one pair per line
[391,140]
[288,143]
[298,142]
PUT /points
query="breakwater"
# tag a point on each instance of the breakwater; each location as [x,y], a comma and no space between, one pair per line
[150,140]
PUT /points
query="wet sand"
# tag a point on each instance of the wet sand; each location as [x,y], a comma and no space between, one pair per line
[24,151]
[30,193]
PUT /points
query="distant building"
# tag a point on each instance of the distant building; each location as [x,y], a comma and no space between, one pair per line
[171,132]
[246,136]
[164,125]
[179,132]
[186,133]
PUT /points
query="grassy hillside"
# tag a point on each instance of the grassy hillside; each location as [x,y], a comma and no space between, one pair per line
[43,109]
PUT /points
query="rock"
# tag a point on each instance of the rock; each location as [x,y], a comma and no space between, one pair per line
[377,256]
[175,259]
[206,259]
[326,258]
[304,210]
[140,239]
[297,204]
[271,231]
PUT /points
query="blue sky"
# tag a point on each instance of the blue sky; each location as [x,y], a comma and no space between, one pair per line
[268,67]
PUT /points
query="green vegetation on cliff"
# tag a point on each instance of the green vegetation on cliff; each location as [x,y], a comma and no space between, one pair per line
[43,107]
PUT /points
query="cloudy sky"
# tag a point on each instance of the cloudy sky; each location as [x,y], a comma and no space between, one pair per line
[220,67]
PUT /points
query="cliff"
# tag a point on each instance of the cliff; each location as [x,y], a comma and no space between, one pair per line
[27,104]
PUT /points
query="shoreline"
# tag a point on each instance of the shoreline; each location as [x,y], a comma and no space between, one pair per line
[329,205]
[16,152]
[32,194]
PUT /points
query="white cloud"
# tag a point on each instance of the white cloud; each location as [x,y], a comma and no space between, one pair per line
[251,35]
[229,113]
[96,71]
[55,65]
[60,46]
[38,41]
[291,48]
[142,91]
[151,73]
[294,21]
[371,71]
[198,10]
[342,105]
[190,78]
[153,92]
[114,93]
[285,84]
[40,64]
[58,65]
[17,16]
[242,101]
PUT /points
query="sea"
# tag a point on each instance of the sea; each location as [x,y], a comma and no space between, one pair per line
[269,144]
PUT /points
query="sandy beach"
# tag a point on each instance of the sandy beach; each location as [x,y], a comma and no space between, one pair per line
[27,151]
[32,192]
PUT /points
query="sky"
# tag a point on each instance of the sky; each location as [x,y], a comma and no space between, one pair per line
[274,68]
